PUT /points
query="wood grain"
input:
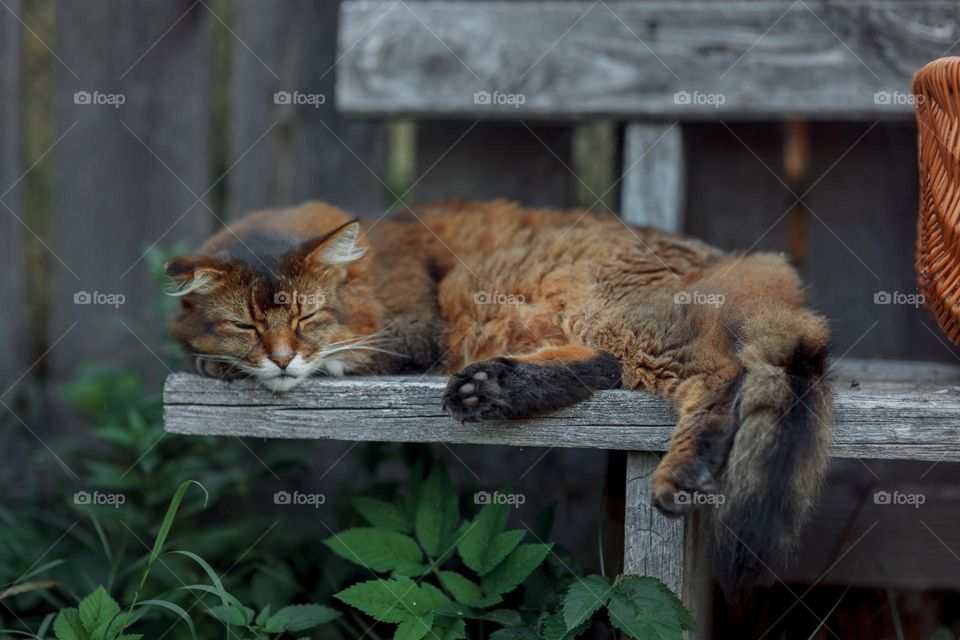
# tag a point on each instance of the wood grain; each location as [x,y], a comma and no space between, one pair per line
[14,339]
[884,410]
[312,152]
[124,177]
[768,59]
[654,176]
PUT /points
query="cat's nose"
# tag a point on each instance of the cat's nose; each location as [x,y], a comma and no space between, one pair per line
[282,359]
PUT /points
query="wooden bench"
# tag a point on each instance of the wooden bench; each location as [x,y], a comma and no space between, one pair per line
[652,66]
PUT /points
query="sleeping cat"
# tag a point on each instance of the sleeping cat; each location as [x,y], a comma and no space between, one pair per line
[530,310]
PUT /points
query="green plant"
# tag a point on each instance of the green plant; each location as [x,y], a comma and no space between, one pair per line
[442,571]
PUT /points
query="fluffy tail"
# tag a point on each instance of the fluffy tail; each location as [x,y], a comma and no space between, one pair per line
[778,459]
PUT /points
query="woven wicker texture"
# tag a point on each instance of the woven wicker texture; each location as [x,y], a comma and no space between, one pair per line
[937,90]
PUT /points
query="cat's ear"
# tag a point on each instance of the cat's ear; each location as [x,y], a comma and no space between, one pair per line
[189,274]
[341,246]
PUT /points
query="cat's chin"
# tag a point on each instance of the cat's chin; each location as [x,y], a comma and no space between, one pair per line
[281,384]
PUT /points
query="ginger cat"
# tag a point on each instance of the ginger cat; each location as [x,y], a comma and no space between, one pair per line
[530,310]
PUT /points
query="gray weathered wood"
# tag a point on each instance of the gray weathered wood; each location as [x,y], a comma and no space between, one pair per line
[813,59]
[14,341]
[671,549]
[124,177]
[654,176]
[653,544]
[312,152]
[916,416]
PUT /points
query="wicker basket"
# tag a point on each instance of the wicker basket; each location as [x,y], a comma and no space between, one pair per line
[937,90]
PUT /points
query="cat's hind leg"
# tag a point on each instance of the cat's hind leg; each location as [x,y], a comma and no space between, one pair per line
[701,442]
[520,386]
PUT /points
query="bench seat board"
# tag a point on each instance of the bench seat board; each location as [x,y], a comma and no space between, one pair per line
[891,410]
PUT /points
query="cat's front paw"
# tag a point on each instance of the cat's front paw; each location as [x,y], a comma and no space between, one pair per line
[216,369]
[478,392]
[677,489]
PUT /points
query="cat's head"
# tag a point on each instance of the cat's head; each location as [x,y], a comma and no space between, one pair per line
[279,315]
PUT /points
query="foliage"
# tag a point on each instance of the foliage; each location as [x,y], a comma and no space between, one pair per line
[443,571]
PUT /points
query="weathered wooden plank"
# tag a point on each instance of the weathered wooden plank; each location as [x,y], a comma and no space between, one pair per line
[132,108]
[654,176]
[653,543]
[705,60]
[670,549]
[914,417]
[312,152]
[14,341]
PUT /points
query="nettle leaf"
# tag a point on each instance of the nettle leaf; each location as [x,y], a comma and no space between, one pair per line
[484,544]
[376,549]
[448,629]
[414,628]
[437,513]
[583,599]
[112,628]
[381,513]
[232,614]
[510,573]
[395,600]
[554,628]
[515,633]
[462,589]
[644,608]
[300,617]
[263,616]
[97,609]
[67,626]
[505,617]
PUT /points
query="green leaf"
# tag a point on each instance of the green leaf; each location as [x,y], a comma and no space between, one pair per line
[437,513]
[381,513]
[376,549]
[555,628]
[390,600]
[169,606]
[510,573]
[462,589]
[448,629]
[232,615]
[505,617]
[263,616]
[644,608]
[164,532]
[414,628]
[583,599]
[275,623]
[67,626]
[301,617]
[97,609]
[515,633]
[484,544]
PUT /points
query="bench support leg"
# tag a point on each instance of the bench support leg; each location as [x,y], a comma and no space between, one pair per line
[671,550]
